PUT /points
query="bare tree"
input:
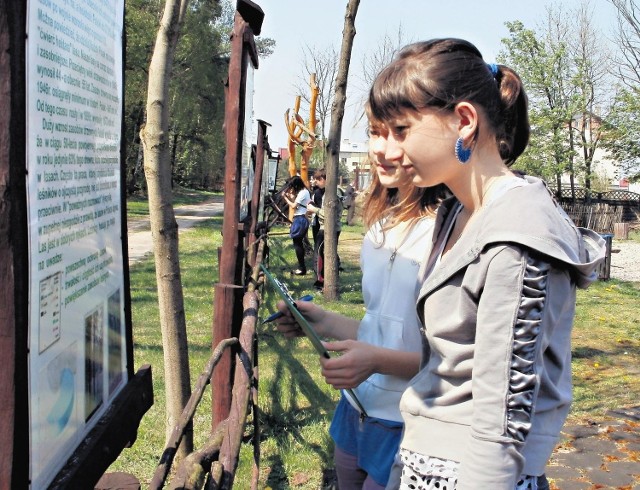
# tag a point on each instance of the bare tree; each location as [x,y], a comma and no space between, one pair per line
[373,62]
[324,64]
[623,132]
[330,200]
[627,38]
[164,228]
[593,90]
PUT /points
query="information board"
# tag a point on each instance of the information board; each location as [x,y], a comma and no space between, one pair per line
[248,139]
[77,360]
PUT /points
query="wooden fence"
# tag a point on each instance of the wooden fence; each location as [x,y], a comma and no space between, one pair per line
[600,217]
[600,211]
[216,462]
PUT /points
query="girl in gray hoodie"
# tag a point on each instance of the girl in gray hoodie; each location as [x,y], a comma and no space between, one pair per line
[499,283]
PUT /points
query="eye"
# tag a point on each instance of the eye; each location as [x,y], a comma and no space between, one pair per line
[399,129]
[371,131]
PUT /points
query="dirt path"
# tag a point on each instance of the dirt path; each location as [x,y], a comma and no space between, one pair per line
[139,232]
[624,260]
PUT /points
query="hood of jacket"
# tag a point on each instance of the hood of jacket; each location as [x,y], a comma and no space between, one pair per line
[527,215]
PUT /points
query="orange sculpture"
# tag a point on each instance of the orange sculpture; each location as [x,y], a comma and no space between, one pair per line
[301,134]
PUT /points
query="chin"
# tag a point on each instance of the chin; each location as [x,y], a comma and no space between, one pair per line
[388,181]
[418,181]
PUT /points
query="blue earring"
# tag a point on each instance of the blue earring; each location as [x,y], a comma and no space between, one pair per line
[462,154]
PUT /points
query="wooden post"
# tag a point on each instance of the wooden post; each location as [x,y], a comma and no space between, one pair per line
[14,266]
[621,231]
[257,189]
[228,307]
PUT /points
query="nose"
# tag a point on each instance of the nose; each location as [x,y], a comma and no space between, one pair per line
[385,147]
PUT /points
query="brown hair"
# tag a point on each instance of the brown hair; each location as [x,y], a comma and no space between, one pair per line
[382,203]
[320,174]
[441,73]
[296,183]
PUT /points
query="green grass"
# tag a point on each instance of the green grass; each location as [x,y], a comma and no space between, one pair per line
[295,403]
[606,349]
[138,205]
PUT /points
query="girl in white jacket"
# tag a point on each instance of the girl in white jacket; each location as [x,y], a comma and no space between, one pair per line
[379,354]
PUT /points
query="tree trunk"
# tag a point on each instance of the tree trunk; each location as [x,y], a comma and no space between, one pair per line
[172,160]
[134,172]
[164,228]
[572,174]
[330,200]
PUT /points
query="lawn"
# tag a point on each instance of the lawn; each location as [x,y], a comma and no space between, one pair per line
[295,403]
[138,205]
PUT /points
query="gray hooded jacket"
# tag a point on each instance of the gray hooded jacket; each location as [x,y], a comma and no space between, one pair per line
[495,385]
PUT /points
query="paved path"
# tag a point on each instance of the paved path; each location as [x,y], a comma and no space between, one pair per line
[599,455]
[139,233]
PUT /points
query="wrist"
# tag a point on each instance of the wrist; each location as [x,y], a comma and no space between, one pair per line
[374,360]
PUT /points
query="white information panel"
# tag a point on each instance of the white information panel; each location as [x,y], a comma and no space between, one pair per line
[77,360]
[248,139]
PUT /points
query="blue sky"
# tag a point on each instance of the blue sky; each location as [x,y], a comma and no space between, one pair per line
[295,23]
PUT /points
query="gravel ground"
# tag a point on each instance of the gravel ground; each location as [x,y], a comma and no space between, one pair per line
[625,263]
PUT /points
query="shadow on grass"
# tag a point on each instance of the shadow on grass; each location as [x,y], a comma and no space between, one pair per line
[286,424]
[302,384]
[586,353]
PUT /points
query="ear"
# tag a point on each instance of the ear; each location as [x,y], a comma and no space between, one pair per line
[467,122]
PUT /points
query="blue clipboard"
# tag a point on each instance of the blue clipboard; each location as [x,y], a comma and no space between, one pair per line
[311,334]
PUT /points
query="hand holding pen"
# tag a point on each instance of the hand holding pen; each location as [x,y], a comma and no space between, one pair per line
[279,314]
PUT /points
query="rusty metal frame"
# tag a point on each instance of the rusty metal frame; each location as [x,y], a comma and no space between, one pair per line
[229,289]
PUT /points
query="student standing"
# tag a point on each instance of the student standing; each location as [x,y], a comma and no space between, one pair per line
[319,183]
[317,208]
[379,354]
[300,223]
[498,302]
[350,203]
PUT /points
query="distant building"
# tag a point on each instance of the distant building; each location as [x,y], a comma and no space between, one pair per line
[354,157]
[353,154]
[284,154]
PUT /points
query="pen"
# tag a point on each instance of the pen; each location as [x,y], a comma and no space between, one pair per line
[278,314]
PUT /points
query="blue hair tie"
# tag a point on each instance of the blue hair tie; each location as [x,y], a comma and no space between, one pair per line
[493,68]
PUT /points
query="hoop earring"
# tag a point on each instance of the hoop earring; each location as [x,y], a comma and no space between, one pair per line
[462,154]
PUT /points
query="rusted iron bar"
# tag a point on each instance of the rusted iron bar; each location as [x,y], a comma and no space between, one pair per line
[226,298]
[257,189]
[248,20]
[241,390]
[255,470]
[166,460]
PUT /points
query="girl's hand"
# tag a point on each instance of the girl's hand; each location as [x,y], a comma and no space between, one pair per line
[355,364]
[288,325]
